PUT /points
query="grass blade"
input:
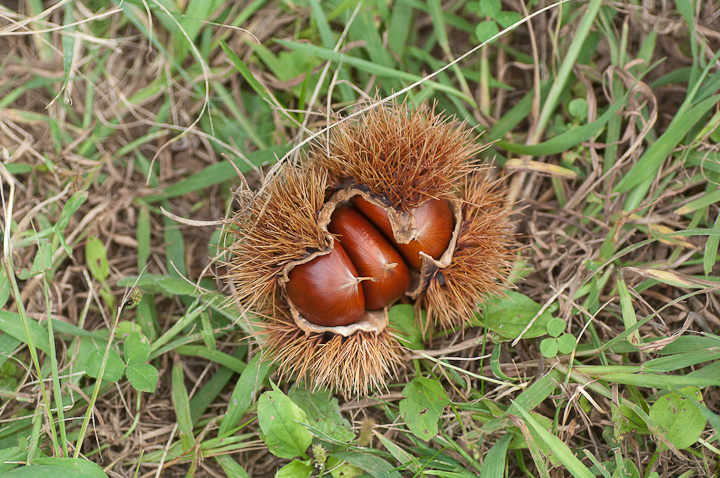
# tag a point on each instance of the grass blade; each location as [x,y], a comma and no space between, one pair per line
[559,449]
[181,403]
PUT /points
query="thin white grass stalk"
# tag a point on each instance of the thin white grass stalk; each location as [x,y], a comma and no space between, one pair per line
[401,92]
[10,272]
[36,18]
[59,27]
[10,17]
[166,450]
[474,375]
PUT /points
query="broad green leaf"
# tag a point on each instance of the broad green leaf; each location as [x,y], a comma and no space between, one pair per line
[549,347]
[342,469]
[96,259]
[279,420]
[507,316]
[323,412]
[125,328]
[566,343]
[490,8]
[578,108]
[625,469]
[422,406]
[114,367]
[400,22]
[158,283]
[555,327]
[486,30]
[295,469]
[508,19]
[142,376]
[8,343]
[682,421]
[402,318]
[136,348]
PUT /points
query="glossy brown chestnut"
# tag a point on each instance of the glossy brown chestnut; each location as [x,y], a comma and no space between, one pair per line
[326,290]
[433,221]
[373,256]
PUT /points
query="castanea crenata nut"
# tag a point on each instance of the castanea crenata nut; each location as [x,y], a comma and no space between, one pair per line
[389,208]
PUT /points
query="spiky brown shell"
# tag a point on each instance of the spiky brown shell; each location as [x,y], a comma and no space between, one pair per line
[405,157]
[482,258]
[352,365]
[396,160]
[279,226]
[284,225]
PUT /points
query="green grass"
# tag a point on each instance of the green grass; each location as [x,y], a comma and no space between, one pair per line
[604,361]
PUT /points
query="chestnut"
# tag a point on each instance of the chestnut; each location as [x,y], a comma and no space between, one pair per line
[326,290]
[373,256]
[433,223]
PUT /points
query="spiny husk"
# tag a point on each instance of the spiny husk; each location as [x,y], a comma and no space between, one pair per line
[279,226]
[352,365]
[404,157]
[284,226]
[397,160]
[482,258]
